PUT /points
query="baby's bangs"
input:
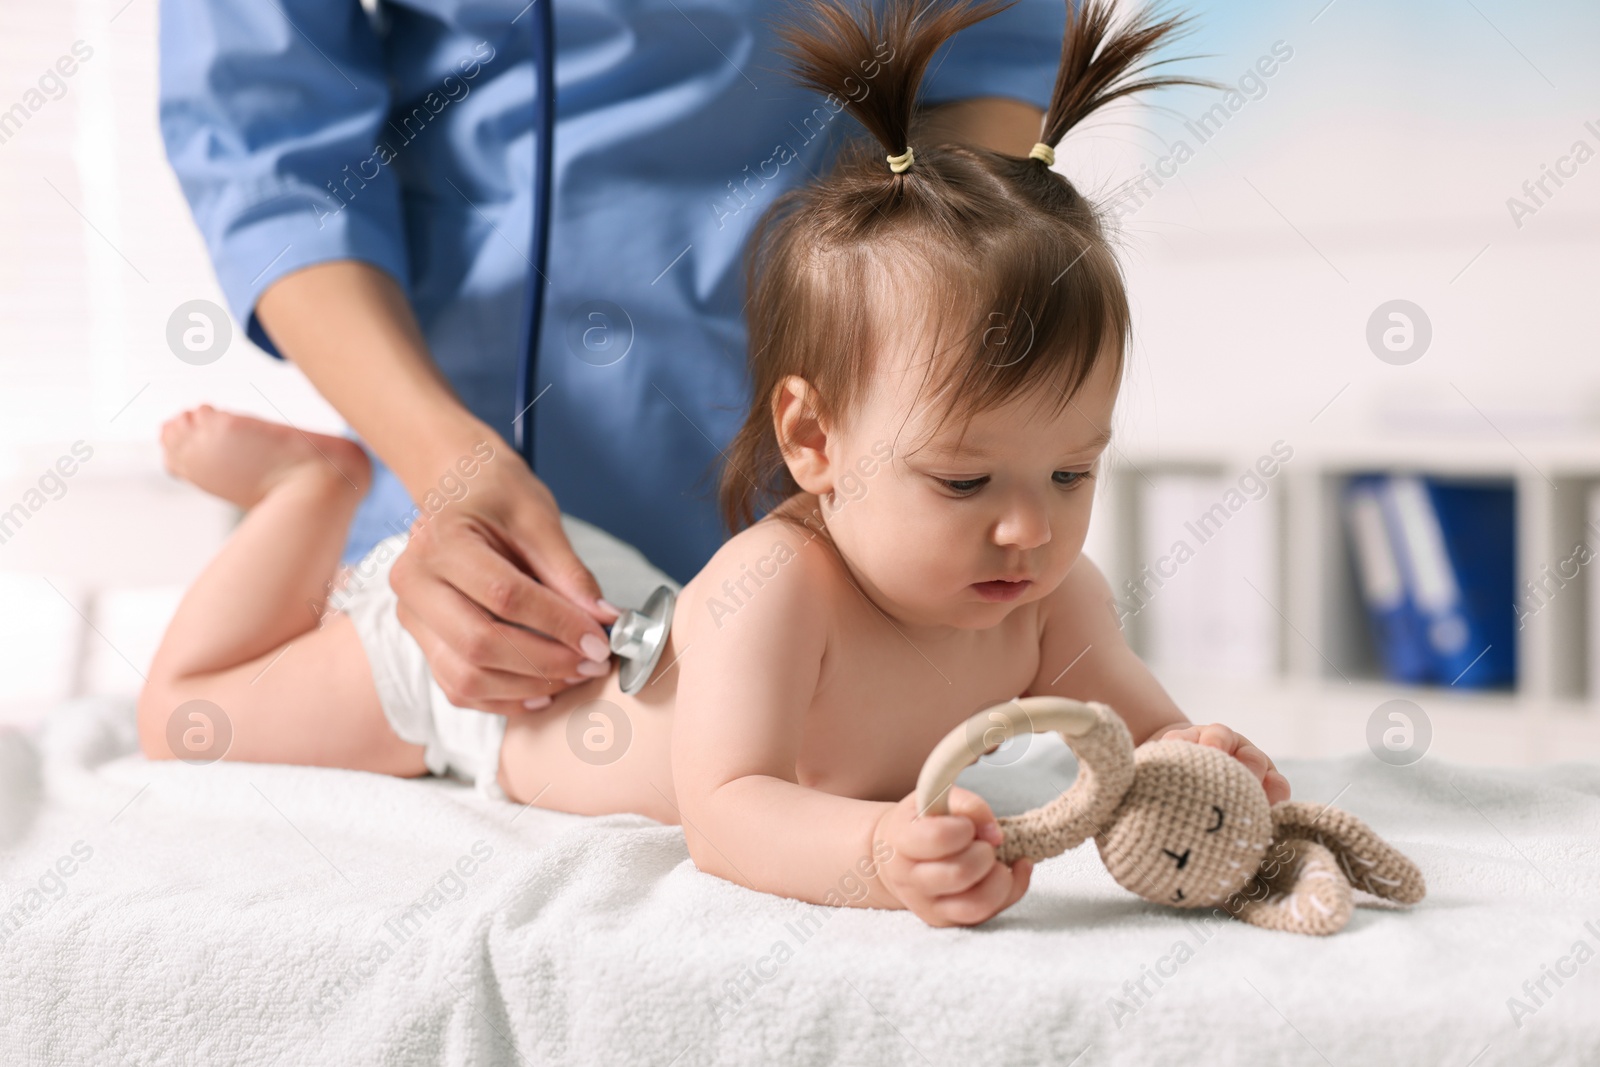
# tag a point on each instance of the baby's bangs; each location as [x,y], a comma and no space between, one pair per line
[1027,315]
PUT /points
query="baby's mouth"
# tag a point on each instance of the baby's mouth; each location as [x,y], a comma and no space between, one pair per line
[1001,590]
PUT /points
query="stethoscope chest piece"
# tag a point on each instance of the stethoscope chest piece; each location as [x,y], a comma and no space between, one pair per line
[638,637]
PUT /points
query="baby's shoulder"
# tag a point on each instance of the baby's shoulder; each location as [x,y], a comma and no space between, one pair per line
[775,570]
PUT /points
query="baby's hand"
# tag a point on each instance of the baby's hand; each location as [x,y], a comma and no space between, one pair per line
[944,867]
[1234,744]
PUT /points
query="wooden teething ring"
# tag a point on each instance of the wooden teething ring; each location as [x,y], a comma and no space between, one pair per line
[985,731]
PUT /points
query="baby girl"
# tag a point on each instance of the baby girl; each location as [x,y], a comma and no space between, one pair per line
[936,345]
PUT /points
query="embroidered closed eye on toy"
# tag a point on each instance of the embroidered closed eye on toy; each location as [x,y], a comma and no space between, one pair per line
[1180,823]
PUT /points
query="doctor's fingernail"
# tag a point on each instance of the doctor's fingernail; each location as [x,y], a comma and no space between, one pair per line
[605,605]
[575,681]
[595,648]
[590,669]
[536,703]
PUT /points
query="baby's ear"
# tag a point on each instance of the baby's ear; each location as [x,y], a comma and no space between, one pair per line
[1367,860]
[1300,890]
[802,434]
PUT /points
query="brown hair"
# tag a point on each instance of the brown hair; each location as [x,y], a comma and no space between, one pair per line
[1004,248]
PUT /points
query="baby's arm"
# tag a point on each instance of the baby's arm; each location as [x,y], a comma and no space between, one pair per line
[744,689]
[1083,655]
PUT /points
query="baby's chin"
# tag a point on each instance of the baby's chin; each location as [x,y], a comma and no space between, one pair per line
[967,608]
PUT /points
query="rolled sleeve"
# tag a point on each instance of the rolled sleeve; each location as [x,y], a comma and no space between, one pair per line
[271,114]
[1013,54]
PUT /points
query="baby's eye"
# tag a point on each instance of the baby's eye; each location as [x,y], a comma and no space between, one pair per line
[963,485]
[1068,479]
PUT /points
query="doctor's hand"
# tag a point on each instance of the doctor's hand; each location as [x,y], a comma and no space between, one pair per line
[465,591]
[486,522]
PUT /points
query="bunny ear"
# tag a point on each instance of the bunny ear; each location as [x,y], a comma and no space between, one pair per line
[1368,861]
[1300,890]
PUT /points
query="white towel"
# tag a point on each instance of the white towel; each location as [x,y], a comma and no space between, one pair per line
[248,914]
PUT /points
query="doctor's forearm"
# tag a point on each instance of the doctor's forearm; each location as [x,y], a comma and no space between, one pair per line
[349,327]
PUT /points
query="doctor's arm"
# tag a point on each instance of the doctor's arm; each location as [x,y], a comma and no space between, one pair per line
[347,324]
[263,107]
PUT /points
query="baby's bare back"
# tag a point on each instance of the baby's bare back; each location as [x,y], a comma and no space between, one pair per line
[882,700]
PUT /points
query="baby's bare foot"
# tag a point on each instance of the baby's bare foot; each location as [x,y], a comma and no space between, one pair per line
[240,458]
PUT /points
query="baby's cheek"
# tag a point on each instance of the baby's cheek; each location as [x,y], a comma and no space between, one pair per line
[917,548]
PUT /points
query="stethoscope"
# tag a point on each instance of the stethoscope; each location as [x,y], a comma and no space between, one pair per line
[544,120]
[639,635]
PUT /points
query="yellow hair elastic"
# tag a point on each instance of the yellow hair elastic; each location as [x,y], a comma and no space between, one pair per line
[899,163]
[1043,153]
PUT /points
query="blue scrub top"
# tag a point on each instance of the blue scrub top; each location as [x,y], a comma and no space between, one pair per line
[305,130]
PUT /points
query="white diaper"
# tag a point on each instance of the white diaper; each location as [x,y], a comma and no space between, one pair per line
[462,742]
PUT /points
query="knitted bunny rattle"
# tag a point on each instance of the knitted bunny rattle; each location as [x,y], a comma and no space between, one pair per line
[1179,823]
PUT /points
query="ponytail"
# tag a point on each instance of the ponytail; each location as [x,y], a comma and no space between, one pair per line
[832,43]
[1102,61]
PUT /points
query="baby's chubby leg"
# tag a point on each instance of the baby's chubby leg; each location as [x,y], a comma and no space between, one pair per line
[245,638]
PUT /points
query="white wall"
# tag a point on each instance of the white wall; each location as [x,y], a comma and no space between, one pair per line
[96,251]
[1375,165]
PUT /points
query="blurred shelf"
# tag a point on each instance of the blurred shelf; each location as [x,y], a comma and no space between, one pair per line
[1327,683]
[1307,719]
[1487,455]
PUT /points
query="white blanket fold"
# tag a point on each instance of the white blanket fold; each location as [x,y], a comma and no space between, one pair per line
[247,914]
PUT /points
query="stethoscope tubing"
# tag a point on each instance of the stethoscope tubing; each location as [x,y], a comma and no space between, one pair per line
[543,29]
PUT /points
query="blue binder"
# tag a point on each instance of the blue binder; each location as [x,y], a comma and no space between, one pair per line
[1396,626]
[1465,530]
[1454,544]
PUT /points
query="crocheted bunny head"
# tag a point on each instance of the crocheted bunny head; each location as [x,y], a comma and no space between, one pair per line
[1181,824]
[1191,830]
